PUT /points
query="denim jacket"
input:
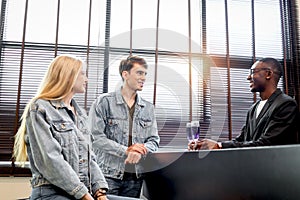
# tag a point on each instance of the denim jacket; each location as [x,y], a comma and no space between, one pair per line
[59,150]
[108,119]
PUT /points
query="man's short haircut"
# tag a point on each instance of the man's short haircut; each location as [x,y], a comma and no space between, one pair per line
[275,66]
[127,64]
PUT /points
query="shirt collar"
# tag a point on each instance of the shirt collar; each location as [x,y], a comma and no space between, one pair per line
[57,104]
[120,100]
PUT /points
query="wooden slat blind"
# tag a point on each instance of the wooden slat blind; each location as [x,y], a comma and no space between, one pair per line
[197,65]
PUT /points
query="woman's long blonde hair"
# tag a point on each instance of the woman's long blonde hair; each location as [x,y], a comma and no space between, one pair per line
[57,83]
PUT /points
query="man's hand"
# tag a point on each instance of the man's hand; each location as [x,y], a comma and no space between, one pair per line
[138,148]
[133,158]
[203,144]
[134,153]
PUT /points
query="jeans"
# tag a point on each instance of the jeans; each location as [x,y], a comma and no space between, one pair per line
[130,186]
[49,192]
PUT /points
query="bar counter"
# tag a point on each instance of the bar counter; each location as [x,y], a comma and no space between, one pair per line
[226,174]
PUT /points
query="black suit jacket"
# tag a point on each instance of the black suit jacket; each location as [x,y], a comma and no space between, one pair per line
[277,124]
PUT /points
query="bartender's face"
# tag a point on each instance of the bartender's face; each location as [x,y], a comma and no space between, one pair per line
[257,77]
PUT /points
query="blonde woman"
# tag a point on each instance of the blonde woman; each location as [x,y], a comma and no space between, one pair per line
[55,138]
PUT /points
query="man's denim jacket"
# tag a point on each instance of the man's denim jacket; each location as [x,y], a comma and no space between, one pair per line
[109,122]
[59,148]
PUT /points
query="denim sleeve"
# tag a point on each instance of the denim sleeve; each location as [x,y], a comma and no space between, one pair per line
[98,180]
[47,157]
[97,123]
[152,142]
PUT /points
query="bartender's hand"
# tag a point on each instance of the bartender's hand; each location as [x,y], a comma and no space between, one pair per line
[203,144]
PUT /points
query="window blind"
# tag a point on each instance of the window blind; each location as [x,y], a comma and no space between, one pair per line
[218,48]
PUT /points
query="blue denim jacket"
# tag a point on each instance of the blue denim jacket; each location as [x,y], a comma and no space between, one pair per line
[59,149]
[108,119]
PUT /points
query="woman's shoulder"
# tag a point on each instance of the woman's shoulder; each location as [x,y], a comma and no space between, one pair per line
[40,105]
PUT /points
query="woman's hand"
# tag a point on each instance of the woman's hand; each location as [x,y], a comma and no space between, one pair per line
[103,197]
[100,194]
[87,196]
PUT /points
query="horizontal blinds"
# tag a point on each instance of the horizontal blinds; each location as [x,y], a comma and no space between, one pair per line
[36,60]
[9,83]
[209,97]
[172,100]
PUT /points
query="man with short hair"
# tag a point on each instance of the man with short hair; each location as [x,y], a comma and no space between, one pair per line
[270,121]
[124,129]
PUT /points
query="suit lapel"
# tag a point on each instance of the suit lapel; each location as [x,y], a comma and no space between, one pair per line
[263,111]
[268,104]
[257,120]
[253,119]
